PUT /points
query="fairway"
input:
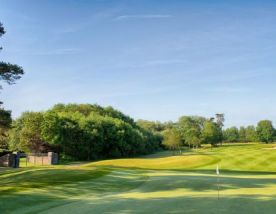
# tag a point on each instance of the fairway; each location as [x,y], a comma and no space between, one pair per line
[160,183]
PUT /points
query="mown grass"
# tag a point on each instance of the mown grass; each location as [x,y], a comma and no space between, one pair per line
[229,157]
[159,183]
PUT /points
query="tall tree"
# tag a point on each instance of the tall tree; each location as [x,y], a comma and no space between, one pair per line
[190,129]
[211,133]
[9,73]
[172,139]
[220,120]
[265,131]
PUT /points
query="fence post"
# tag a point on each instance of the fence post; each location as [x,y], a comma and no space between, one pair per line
[17,160]
[50,158]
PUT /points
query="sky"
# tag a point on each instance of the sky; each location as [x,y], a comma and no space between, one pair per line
[154,60]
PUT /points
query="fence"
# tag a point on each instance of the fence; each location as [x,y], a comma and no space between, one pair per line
[49,158]
[13,160]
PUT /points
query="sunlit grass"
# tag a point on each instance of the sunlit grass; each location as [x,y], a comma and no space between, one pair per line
[159,183]
[175,162]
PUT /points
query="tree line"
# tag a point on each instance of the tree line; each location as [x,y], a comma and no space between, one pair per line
[264,132]
[193,131]
[81,132]
[189,131]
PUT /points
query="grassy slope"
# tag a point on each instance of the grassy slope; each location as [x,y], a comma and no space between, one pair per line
[146,185]
[240,157]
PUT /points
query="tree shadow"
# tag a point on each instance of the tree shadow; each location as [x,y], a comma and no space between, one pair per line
[118,190]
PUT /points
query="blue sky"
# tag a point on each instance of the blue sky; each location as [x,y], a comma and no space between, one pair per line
[155,60]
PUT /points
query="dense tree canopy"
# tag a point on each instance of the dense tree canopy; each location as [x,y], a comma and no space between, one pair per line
[154,126]
[265,131]
[231,134]
[211,133]
[82,132]
[251,134]
[172,139]
[190,128]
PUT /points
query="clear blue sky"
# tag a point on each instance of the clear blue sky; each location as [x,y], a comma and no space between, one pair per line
[155,60]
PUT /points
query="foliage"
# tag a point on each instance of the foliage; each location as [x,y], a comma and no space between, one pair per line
[26,133]
[265,131]
[190,128]
[172,139]
[220,120]
[9,73]
[5,124]
[251,134]
[154,126]
[231,134]
[242,134]
[211,133]
[82,132]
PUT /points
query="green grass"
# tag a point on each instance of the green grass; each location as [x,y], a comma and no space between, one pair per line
[159,183]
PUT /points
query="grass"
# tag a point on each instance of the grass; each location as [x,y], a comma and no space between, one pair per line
[159,183]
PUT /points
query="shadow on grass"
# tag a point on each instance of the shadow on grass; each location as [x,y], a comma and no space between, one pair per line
[171,205]
[117,190]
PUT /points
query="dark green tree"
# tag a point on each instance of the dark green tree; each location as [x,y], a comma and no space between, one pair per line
[190,128]
[211,133]
[9,73]
[265,131]
[82,132]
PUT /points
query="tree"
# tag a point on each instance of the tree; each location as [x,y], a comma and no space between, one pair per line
[250,134]
[9,73]
[82,132]
[5,124]
[211,133]
[190,129]
[242,134]
[231,134]
[172,139]
[265,131]
[26,135]
[220,120]
[153,126]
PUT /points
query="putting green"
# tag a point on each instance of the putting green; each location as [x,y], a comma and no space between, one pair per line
[147,185]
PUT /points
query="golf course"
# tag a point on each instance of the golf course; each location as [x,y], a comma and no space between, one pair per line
[164,182]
